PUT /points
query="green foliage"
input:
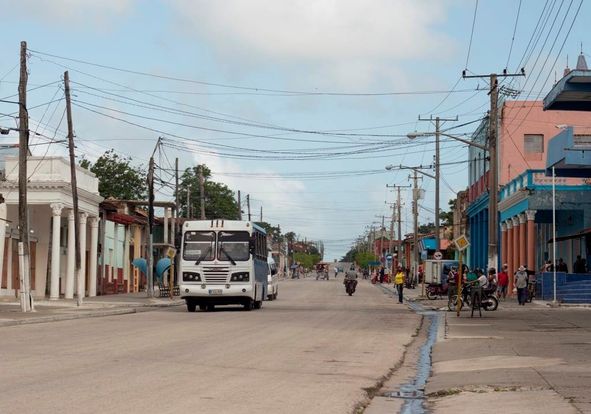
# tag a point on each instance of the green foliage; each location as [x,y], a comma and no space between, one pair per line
[273,231]
[219,199]
[363,258]
[118,178]
[447,217]
[307,260]
[427,228]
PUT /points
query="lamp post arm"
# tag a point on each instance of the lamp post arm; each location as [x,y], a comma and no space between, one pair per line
[465,141]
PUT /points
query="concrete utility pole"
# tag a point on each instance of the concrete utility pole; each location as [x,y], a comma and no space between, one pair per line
[398,217]
[201,192]
[493,137]
[239,207]
[437,164]
[415,214]
[261,214]
[23,216]
[188,212]
[74,184]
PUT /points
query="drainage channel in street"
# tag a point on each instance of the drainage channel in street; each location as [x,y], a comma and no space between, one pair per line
[413,392]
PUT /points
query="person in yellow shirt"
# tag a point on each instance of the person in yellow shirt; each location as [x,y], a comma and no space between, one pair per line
[399,282]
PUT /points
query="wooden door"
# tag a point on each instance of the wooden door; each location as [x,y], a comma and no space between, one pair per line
[16,284]
[4,284]
[33,262]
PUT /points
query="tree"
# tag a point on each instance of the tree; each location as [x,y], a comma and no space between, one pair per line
[307,260]
[427,228]
[363,258]
[118,178]
[273,231]
[447,217]
[219,199]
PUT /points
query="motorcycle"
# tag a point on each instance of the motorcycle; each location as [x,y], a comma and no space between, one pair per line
[350,285]
[435,290]
[488,300]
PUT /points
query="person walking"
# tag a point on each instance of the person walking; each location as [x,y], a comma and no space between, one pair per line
[521,284]
[399,282]
[503,282]
[382,273]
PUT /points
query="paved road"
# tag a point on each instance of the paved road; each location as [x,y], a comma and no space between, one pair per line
[312,351]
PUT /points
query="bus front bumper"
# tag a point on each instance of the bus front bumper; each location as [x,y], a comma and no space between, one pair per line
[213,292]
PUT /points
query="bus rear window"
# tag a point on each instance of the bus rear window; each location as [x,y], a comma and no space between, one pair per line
[199,245]
[233,245]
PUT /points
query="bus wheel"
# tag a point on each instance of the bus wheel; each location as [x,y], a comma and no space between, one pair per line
[210,308]
[191,306]
[248,305]
[258,304]
[202,307]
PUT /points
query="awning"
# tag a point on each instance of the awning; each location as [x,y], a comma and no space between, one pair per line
[572,236]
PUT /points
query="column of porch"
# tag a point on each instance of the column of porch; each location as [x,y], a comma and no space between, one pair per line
[71,257]
[531,239]
[522,240]
[509,257]
[93,262]
[81,291]
[515,251]
[54,282]
[503,244]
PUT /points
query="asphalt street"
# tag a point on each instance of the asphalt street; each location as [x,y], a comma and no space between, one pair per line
[314,350]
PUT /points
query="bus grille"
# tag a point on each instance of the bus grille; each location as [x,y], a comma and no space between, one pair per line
[215,275]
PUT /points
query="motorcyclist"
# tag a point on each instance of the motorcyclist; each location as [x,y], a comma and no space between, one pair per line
[351,276]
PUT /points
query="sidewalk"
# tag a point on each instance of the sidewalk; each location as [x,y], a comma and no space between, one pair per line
[517,359]
[66,309]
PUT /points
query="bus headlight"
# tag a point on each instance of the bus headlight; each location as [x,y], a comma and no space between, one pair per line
[240,277]
[191,277]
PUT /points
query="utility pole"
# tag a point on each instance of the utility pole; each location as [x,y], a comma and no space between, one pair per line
[493,137]
[261,214]
[239,207]
[23,216]
[248,205]
[415,214]
[392,238]
[398,217]
[201,192]
[150,275]
[74,184]
[188,201]
[437,164]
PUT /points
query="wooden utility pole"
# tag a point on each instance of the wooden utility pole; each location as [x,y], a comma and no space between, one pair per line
[74,184]
[150,275]
[23,216]
[415,214]
[188,212]
[248,205]
[201,192]
[239,206]
[398,217]
[261,214]
[493,136]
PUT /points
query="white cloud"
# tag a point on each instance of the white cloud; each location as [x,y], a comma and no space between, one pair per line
[350,42]
[76,12]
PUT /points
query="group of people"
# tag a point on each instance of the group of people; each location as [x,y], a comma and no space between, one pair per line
[579,266]
[524,281]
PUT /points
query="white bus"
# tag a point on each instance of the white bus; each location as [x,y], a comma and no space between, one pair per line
[223,262]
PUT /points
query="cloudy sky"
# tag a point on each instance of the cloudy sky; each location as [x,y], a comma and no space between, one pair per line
[300,103]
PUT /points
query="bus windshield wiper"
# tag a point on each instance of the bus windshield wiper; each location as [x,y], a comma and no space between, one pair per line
[227,255]
[203,256]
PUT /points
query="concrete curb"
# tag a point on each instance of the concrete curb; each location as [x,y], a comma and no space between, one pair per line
[66,317]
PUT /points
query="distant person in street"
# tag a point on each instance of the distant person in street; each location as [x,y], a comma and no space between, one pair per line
[580,266]
[502,282]
[382,274]
[521,284]
[561,266]
[399,282]
[547,267]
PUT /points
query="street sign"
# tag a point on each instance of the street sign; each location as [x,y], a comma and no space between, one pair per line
[462,243]
[438,256]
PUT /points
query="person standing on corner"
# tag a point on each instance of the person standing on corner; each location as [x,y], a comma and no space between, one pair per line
[399,282]
[521,284]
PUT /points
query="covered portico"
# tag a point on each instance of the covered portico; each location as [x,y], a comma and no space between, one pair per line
[51,223]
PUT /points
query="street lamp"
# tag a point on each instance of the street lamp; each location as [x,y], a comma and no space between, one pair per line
[413,135]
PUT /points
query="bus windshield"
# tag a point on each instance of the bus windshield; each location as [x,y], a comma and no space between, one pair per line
[233,246]
[199,245]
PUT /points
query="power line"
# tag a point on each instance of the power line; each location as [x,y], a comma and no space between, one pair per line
[513,37]
[471,35]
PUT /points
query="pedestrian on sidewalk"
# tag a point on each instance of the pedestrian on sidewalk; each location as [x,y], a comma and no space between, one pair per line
[382,273]
[521,285]
[503,282]
[399,282]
